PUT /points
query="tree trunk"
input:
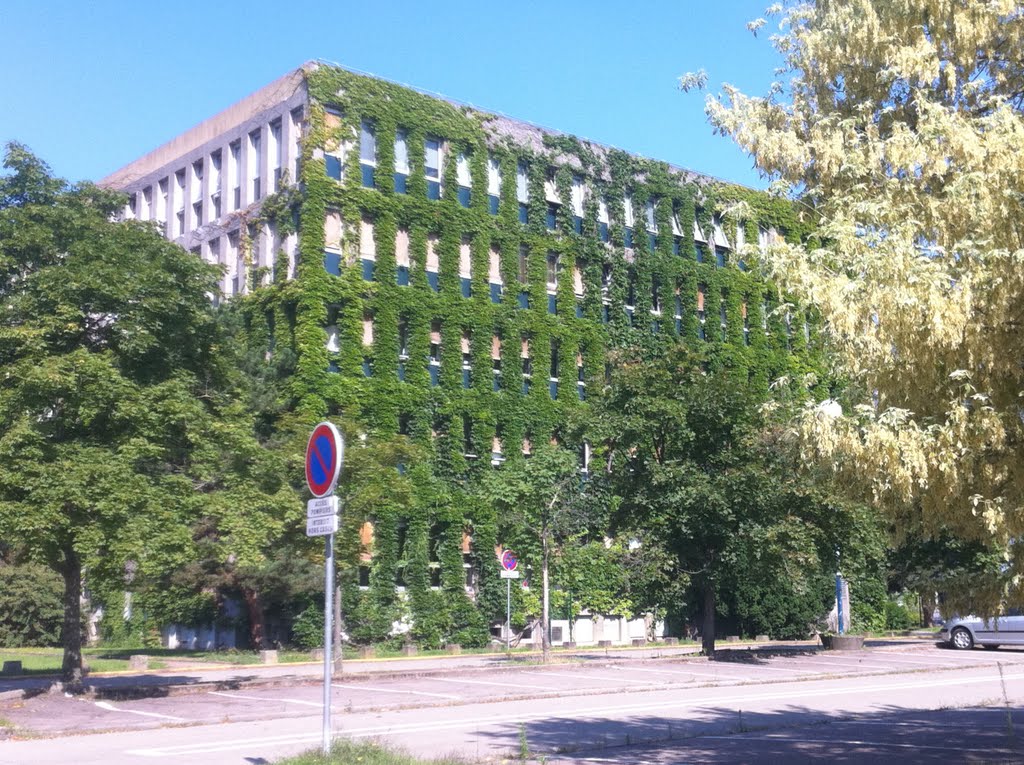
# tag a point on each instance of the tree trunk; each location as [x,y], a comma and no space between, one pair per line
[545,610]
[708,632]
[71,634]
[257,636]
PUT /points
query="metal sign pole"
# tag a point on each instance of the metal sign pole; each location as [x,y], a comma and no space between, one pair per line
[839,603]
[328,637]
[508,614]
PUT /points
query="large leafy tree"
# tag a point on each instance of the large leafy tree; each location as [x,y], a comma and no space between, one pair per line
[899,125]
[701,475]
[118,430]
[541,507]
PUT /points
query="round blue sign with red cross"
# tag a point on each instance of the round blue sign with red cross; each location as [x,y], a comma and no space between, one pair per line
[509,561]
[324,455]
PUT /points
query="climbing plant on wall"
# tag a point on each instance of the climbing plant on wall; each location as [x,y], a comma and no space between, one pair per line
[470,373]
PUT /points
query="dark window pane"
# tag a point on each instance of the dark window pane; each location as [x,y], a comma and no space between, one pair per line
[402,276]
[432,280]
[464,196]
[433,190]
[401,181]
[495,293]
[524,300]
[333,167]
[602,231]
[552,304]
[332,263]
[467,288]
[368,270]
[523,215]
[492,203]
[367,171]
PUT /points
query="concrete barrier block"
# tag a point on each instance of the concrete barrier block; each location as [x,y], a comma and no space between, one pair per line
[12,668]
[762,638]
[569,644]
[732,638]
[367,652]
[453,648]
[268,657]
[138,662]
[639,642]
[317,654]
[604,643]
[671,641]
[409,650]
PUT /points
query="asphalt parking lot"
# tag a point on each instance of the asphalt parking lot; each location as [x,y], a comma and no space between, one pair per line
[586,675]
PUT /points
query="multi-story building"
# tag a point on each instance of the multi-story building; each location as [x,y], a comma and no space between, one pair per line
[457,276]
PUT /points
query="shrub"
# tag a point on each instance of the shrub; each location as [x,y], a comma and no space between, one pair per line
[308,628]
[31,606]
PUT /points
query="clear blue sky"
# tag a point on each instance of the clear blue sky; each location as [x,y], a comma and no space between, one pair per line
[91,85]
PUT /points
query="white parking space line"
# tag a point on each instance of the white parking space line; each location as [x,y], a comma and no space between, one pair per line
[773,669]
[691,672]
[862,664]
[599,678]
[495,683]
[111,708]
[849,742]
[372,689]
[265,699]
[936,662]
[602,710]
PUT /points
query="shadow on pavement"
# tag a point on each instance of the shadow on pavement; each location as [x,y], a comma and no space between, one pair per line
[792,735]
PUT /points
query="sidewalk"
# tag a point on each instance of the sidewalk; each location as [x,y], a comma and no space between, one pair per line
[176,681]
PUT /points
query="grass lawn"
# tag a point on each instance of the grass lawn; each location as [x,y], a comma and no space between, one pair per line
[345,752]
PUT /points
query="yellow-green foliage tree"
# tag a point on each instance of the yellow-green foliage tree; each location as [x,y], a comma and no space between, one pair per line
[899,124]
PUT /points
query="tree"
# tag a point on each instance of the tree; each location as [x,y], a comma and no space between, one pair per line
[899,129]
[112,387]
[700,473]
[539,500]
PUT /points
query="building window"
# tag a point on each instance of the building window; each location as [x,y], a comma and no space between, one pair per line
[403,338]
[432,167]
[522,192]
[255,165]
[628,219]
[367,247]
[701,334]
[493,184]
[433,263]
[722,315]
[467,359]
[553,267]
[334,148]
[463,178]
[494,274]
[215,184]
[466,267]
[655,295]
[746,323]
[402,168]
[296,138]
[552,199]
[367,152]
[179,203]
[402,260]
[496,362]
[234,163]
[434,358]
[602,221]
[275,150]
[720,257]
[576,199]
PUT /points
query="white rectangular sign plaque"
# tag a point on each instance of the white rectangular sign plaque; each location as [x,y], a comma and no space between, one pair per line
[321,525]
[509,574]
[321,506]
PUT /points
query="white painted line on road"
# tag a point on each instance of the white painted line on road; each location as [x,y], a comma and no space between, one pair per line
[670,671]
[858,663]
[495,682]
[851,742]
[395,690]
[602,710]
[111,708]
[600,678]
[266,699]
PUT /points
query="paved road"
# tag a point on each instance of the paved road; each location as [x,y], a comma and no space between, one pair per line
[904,702]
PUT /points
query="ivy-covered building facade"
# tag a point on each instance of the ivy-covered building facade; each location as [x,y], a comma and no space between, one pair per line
[458,278]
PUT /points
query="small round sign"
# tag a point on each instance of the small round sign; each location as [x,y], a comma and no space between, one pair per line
[509,561]
[324,455]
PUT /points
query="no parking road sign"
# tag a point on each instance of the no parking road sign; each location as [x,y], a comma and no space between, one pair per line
[324,455]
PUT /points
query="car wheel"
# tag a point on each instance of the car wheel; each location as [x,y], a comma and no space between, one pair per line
[961,639]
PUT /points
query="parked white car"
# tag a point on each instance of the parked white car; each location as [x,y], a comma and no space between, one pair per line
[969,631]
